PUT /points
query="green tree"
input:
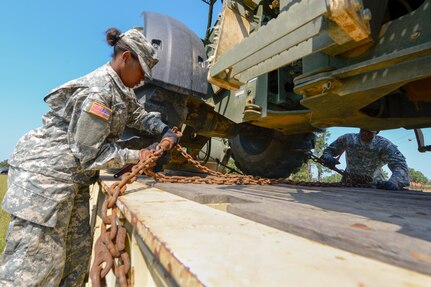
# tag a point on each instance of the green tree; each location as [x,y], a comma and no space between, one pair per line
[417,176]
[304,174]
[335,177]
[321,144]
[4,163]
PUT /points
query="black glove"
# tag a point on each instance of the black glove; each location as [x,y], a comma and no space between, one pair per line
[152,146]
[382,184]
[167,132]
[329,161]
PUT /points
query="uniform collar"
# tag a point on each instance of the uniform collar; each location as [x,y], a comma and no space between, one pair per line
[125,90]
[366,144]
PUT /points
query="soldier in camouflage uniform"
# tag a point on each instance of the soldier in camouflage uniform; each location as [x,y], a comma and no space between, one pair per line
[366,154]
[49,237]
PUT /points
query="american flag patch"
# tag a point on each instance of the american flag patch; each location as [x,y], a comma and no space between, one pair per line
[100,111]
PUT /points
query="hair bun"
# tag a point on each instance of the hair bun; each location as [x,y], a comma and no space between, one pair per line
[112,36]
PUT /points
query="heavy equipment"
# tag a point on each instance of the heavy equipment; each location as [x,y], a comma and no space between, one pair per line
[278,71]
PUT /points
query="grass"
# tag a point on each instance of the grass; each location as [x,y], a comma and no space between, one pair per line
[4,216]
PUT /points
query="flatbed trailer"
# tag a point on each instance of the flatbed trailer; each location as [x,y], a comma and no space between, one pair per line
[278,235]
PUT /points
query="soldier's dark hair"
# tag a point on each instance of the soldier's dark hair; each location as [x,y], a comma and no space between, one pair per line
[113,38]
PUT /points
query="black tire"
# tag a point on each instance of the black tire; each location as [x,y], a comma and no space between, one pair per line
[267,153]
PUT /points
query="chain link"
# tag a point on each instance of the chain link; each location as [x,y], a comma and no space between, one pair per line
[349,179]
[215,177]
[110,253]
[109,250]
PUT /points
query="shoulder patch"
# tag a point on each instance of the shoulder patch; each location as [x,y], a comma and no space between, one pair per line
[100,110]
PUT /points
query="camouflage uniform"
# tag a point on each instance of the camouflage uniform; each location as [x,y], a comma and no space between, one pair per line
[49,237]
[369,158]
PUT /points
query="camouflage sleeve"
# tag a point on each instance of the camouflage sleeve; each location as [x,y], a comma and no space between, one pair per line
[397,164]
[88,133]
[140,119]
[336,147]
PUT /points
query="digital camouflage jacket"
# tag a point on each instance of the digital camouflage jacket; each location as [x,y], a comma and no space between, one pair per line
[78,137]
[368,159]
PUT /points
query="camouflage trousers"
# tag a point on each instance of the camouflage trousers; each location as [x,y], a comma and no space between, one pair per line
[37,255]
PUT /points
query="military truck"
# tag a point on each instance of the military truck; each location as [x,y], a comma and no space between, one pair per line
[279,71]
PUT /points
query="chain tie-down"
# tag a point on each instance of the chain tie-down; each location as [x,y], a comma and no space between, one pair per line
[110,246]
[109,250]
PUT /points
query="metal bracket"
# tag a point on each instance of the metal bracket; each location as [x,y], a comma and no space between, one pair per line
[421,143]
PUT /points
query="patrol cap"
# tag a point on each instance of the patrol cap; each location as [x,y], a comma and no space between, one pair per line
[371,131]
[146,52]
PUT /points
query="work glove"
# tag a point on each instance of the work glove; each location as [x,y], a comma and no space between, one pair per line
[169,139]
[382,184]
[330,161]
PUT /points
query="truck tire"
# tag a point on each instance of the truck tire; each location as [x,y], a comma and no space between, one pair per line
[267,153]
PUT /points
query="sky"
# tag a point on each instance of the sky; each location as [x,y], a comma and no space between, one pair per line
[47,43]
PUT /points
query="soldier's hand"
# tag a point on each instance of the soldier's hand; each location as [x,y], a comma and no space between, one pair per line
[144,154]
[329,161]
[382,184]
[147,151]
[169,139]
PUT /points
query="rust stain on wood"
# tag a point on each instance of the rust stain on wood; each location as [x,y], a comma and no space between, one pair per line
[361,226]
[420,256]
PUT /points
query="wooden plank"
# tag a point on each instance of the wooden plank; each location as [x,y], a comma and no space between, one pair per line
[390,226]
[204,246]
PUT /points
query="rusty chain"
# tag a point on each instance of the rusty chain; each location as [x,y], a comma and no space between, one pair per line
[109,250]
[214,177]
[349,179]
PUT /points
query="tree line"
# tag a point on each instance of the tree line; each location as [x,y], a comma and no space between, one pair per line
[4,164]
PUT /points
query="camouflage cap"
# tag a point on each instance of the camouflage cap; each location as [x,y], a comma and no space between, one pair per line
[146,52]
